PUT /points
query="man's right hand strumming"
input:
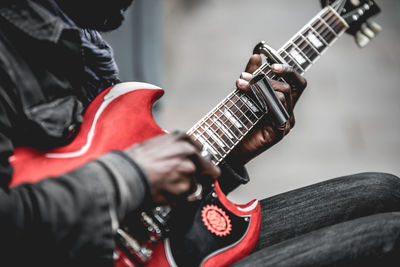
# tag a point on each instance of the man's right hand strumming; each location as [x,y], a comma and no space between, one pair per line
[171,163]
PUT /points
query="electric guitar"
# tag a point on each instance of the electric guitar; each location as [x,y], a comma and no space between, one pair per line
[217,232]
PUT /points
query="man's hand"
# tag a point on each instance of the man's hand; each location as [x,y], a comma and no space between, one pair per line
[267,133]
[172,162]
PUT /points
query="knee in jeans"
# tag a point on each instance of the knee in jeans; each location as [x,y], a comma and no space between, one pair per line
[383,188]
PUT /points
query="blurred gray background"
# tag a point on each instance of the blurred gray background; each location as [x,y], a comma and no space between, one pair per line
[347,120]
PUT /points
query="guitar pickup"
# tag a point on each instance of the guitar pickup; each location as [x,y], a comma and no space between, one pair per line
[267,98]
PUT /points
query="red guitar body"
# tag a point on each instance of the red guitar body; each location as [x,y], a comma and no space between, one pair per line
[118,118]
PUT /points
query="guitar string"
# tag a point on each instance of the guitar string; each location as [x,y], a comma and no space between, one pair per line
[308,27]
[209,126]
[294,39]
[315,25]
[238,139]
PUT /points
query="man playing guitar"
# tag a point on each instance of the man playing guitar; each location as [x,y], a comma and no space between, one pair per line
[54,63]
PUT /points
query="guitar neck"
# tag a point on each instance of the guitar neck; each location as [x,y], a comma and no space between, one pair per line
[234,117]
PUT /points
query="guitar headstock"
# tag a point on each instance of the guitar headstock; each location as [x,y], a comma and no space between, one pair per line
[357,14]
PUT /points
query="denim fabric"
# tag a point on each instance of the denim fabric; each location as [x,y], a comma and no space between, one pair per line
[347,221]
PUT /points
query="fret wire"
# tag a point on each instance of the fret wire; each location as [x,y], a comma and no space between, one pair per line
[249,108]
[212,143]
[316,21]
[310,45]
[329,28]
[311,48]
[301,52]
[309,58]
[230,121]
[211,112]
[336,35]
[237,119]
[243,114]
[223,113]
[325,33]
[331,21]
[337,22]
[246,107]
[321,38]
[219,130]
[224,126]
[213,120]
[222,104]
[206,144]
[237,140]
[247,113]
[266,67]
[320,21]
[322,29]
[229,128]
[328,32]
[225,140]
[235,143]
[237,116]
[329,15]
[214,135]
[294,61]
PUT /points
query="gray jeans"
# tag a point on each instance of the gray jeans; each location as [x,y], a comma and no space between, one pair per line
[347,221]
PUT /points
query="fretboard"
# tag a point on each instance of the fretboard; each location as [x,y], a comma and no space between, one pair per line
[233,118]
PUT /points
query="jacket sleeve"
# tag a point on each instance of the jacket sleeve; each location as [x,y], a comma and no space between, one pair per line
[69,219]
[232,176]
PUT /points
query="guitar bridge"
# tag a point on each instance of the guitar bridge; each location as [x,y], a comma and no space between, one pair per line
[138,241]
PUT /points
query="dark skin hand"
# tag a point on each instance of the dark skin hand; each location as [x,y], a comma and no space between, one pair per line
[267,133]
[171,163]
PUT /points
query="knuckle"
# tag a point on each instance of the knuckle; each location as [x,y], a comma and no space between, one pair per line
[287,68]
[305,83]
[246,76]
[281,96]
[190,149]
[292,122]
[183,186]
[189,166]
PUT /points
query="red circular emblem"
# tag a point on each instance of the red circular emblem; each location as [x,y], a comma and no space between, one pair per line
[216,220]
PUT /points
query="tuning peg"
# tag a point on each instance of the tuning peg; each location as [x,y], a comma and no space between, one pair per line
[367,31]
[361,39]
[375,27]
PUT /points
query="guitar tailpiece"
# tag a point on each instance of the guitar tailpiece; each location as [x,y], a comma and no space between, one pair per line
[156,221]
[132,247]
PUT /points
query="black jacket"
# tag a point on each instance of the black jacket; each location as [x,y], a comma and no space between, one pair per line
[68,220]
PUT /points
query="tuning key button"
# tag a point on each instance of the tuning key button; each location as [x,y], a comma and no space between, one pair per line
[361,39]
[375,27]
[367,31]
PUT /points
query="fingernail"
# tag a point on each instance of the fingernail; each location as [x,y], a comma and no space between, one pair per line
[277,67]
[242,83]
[246,75]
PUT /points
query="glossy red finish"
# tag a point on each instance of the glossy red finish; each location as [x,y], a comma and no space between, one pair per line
[127,120]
